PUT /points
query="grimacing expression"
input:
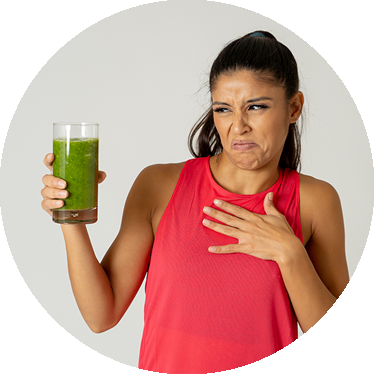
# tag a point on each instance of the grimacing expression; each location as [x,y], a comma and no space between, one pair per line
[252,118]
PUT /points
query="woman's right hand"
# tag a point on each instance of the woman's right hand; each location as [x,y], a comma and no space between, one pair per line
[54,188]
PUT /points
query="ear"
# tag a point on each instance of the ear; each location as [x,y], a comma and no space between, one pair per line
[296,106]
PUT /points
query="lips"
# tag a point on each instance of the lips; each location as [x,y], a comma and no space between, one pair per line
[243,145]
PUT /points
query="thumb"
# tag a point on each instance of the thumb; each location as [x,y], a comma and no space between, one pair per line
[102,176]
[269,206]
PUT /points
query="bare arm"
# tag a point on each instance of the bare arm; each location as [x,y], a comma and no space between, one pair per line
[104,291]
[317,276]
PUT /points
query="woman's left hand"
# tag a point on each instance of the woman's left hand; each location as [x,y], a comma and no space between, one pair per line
[268,237]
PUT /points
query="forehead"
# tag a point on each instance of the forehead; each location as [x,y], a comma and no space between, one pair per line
[244,83]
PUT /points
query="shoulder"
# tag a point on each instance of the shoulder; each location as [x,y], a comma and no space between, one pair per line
[313,189]
[319,202]
[157,175]
[155,185]
[165,169]
[153,179]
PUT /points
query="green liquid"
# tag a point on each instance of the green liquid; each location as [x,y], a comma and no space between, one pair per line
[76,162]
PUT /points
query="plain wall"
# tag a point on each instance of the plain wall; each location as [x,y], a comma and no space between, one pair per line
[139,69]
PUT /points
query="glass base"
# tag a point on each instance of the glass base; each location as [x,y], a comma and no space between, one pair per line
[75,216]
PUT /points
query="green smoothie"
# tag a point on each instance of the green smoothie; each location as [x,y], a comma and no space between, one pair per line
[76,162]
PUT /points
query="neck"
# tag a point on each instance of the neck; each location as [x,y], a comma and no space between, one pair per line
[240,181]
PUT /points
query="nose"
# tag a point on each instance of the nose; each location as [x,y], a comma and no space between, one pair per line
[240,125]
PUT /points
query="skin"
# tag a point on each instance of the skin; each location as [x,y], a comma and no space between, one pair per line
[314,272]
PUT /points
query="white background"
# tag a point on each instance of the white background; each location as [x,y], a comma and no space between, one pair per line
[139,69]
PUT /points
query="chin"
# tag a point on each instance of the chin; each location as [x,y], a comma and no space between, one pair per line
[247,163]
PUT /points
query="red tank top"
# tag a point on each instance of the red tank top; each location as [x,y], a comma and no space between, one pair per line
[207,312]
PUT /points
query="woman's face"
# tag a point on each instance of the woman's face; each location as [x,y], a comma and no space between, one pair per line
[252,118]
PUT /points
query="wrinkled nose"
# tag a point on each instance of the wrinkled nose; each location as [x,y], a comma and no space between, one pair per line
[240,125]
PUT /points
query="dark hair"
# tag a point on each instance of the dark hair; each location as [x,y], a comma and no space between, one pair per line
[270,61]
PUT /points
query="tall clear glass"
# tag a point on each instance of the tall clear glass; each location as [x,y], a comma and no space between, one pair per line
[76,150]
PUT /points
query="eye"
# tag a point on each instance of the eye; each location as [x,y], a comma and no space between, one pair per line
[220,110]
[257,107]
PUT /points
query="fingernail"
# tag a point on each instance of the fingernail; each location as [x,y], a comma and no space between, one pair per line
[212,249]
[217,202]
[63,193]
[206,209]
[206,222]
[61,183]
[271,196]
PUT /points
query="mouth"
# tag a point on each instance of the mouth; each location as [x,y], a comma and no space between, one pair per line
[243,145]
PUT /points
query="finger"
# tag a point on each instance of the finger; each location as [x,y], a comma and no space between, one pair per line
[242,248]
[223,229]
[235,210]
[229,248]
[271,210]
[54,193]
[48,161]
[269,206]
[54,182]
[226,218]
[49,204]
[102,176]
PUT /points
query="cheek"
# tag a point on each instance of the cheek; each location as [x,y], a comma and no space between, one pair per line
[281,135]
[275,137]
[222,128]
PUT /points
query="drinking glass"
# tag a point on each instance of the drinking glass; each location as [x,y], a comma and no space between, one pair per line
[76,150]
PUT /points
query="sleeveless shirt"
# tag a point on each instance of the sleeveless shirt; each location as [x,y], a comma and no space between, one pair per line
[207,312]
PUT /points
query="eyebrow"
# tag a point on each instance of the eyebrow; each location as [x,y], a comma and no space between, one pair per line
[248,101]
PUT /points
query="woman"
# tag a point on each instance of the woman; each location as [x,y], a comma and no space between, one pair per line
[238,245]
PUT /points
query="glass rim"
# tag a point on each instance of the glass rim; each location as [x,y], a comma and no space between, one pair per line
[75,124]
